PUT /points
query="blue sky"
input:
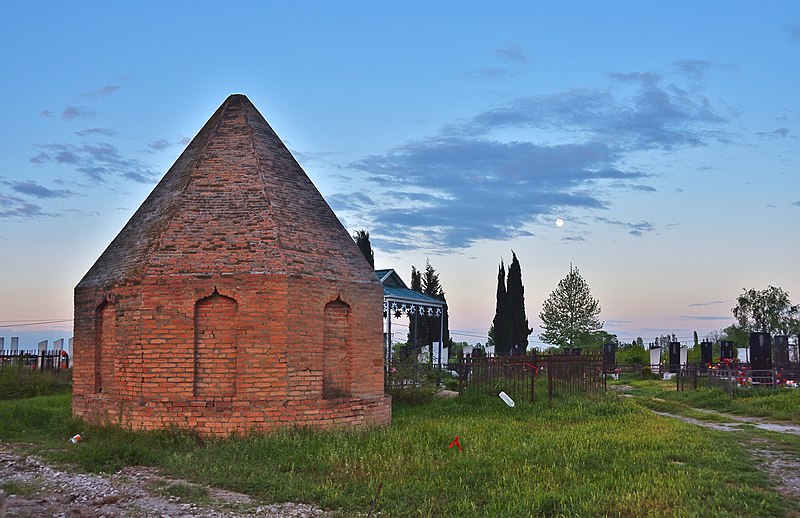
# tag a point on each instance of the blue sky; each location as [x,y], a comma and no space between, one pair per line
[665,134]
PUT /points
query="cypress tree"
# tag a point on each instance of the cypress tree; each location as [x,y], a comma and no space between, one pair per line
[515,306]
[361,238]
[428,327]
[416,285]
[501,324]
[433,325]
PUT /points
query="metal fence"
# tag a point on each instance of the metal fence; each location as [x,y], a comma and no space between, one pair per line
[731,377]
[34,360]
[525,377]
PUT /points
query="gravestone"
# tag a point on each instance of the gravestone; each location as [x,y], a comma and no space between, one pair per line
[726,349]
[760,351]
[655,359]
[781,349]
[610,354]
[674,356]
[705,353]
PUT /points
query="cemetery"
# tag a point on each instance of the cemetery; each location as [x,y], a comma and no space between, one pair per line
[233,324]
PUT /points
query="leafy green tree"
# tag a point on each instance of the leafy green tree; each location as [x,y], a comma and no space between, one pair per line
[594,340]
[739,337]
[362,240]
[570,312]
[767,311]
[633,353]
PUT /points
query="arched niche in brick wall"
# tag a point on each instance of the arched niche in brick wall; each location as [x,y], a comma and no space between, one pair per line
[215,346]
[336,376]
[105,347]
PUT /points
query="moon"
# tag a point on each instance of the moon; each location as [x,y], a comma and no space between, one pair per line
[559,222]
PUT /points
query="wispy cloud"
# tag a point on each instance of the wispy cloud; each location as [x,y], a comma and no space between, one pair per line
[101,92]
[776,133]
[77,112]
[162,143]
[483,73]
[634,229]
[46,113]
[471,181]
[513,53]
[705,317]
[709,303]
[793,31]
[796,203]
[14,207]
[97,161]
[106,132]
[32,188]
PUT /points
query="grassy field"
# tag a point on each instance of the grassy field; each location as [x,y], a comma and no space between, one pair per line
[780,405]
[578,458]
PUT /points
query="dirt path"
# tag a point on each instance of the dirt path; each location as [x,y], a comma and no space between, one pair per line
[781,466]
[34,489]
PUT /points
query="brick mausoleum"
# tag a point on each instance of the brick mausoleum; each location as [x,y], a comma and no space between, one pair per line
[232,300]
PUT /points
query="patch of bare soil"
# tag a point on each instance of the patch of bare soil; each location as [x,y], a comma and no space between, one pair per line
[32,488]
[781,466]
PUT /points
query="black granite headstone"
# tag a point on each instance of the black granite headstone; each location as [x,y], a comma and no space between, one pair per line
[760,351]
[726,349]
[705,353]
[781,349]
[610,354]
[674,356]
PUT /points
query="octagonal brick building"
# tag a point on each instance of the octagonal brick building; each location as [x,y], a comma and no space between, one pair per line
[233,300]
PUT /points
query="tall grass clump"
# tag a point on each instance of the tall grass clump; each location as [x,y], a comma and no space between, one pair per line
[19,382]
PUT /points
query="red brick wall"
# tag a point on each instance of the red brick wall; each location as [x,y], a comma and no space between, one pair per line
[105,344]
[335,362]
[215,347]
[278,326]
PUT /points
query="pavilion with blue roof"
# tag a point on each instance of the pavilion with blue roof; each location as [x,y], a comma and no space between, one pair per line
[399,299]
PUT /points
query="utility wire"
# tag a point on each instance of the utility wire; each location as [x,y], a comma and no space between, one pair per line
[32,322]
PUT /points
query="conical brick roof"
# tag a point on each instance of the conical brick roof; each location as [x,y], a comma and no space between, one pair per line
[235,202]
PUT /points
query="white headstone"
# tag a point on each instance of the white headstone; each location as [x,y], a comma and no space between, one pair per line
[14,344]
[2,343]
[467,350]
[684,354]
[655,359]
[58,345]
[43,345]
[445,356]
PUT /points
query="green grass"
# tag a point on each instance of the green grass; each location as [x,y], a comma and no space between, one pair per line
[781,404]
[578,457]
[21,382]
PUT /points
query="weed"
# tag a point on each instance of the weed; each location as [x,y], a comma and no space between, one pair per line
[20,487]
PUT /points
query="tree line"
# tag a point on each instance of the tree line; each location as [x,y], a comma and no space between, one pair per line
[570,314]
